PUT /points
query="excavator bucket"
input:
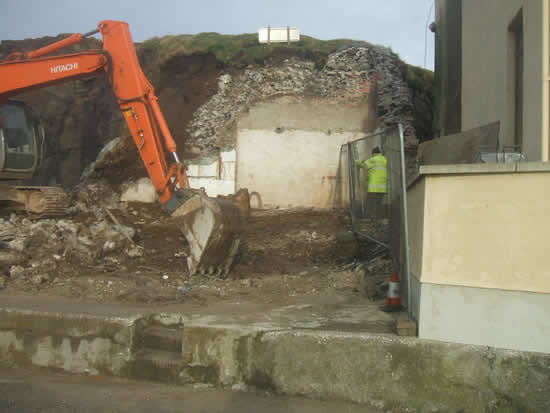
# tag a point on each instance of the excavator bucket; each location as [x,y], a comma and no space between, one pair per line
[212,227]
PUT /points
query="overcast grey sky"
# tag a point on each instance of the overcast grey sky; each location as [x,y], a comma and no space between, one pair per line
[399,24]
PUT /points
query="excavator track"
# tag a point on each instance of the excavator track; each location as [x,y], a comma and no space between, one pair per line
[44,201]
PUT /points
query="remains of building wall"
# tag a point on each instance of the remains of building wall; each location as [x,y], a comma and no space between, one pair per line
[287,123]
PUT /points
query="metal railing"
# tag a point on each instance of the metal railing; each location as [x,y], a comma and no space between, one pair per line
[388,230]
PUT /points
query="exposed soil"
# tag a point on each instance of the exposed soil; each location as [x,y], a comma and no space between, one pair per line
[284,254]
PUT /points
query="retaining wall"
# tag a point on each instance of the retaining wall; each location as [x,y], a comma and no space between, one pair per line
[382,370]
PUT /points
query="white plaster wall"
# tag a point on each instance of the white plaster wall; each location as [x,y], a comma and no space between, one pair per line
[487,230]
[416,199]
[288,148]
[217,178]
[292,168]
[489,317]
[487,87]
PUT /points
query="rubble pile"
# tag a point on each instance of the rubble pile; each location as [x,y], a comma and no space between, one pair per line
[108,250]
[373,277]
[35,250]
[343,79]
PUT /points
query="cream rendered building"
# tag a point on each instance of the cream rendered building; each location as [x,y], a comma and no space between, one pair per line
[492,64]
[478,233]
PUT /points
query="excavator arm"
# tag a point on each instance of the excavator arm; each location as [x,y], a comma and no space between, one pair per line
[136,96]
[210,225]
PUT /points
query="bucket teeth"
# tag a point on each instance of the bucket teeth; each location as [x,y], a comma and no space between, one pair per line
[211,227]
[224,268]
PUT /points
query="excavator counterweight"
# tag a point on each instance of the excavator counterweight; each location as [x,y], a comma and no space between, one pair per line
[210,225]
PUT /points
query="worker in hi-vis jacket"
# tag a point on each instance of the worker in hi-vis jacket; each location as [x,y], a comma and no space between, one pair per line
[377,182]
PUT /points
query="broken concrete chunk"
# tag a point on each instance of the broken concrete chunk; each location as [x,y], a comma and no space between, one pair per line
[40,279]
[125,230]
[10,257]
[16,271]
[48,226]
[7,234]
[135,252]
[140,191]
[406,327]
[111,153]
[19,244]
[67,226]
[109,246]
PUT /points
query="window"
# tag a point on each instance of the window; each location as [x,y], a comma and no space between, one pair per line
[17,131]
[516,31]
[18,146]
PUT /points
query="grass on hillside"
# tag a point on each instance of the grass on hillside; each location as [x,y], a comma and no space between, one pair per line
[243,47]
[420,79]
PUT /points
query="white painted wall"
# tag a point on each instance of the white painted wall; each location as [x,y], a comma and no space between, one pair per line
[506,319]
[483,225]
[288,148]
[293,168]
[478,238]
[217,178]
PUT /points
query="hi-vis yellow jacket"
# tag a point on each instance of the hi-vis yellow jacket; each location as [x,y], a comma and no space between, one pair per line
[377,173]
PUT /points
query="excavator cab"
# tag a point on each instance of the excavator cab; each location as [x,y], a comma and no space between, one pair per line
[21,140]
[210,225]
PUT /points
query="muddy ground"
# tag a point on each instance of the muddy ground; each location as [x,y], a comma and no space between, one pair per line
[111,251]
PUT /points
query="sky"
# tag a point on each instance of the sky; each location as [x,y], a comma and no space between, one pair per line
[399,24]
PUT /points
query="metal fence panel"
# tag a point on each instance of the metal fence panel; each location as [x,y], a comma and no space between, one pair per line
[388,230]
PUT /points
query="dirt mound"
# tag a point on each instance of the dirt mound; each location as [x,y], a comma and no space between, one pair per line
[112,251]
[186,82]
[296,240]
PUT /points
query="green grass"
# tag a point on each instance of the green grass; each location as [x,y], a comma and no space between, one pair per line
[420,79]
[243,48]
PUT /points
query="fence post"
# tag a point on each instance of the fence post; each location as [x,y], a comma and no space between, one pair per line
[405,218]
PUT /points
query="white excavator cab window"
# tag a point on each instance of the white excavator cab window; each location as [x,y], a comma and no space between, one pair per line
[18,138]
[18,133]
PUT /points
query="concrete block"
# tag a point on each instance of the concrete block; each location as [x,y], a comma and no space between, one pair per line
[217,354]
[458,148]
[212,186]
[140,191]
[229,156]
[228,171]
[399,372]
[210,171]
[406,327]
[193,170]
[70,342]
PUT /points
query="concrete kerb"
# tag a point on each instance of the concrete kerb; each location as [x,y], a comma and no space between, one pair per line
[400,371]
[78,343]
[383,370]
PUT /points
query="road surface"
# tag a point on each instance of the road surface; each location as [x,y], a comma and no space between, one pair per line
[34,391]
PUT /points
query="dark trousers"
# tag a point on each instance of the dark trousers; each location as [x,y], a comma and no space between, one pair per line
[375,205]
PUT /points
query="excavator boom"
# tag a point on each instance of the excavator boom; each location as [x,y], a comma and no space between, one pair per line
[136,97]
[22,72]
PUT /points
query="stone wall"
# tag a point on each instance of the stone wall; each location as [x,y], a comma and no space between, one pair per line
[345,79]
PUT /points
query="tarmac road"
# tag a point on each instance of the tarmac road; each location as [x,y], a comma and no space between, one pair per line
[34,391]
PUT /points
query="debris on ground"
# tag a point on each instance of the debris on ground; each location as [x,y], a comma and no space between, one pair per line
[373,277]
[108,250]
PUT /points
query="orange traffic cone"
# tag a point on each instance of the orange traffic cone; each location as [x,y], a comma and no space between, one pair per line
[393,299]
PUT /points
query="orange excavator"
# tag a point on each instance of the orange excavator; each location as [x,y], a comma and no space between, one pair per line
[210,225]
